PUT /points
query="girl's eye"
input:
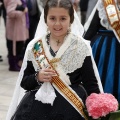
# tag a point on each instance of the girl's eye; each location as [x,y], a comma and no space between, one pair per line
[63,18]
[52,18]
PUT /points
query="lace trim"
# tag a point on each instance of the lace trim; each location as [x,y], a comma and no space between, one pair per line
[74,56]
[31,58]
[72,59]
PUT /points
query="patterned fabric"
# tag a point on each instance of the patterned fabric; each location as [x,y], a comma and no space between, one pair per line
[106,51]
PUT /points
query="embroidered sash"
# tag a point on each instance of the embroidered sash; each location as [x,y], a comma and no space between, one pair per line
[61,86]
[113,16]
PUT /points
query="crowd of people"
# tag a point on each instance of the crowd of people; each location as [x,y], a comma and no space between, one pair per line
[20,17]
[65,50]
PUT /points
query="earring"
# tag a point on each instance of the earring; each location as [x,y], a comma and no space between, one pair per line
[48,31]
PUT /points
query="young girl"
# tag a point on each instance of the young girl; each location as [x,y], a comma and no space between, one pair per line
[58,71]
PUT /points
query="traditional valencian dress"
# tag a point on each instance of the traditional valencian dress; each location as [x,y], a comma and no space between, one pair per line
[103,31]
[76,77]
[74,66]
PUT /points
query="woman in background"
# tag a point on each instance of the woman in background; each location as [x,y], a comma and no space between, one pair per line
[106,43]
[17,25]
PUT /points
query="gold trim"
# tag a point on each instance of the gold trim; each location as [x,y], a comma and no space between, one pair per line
[68,93]
[54,61]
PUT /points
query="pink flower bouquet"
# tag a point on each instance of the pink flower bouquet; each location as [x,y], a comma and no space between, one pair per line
[100,105]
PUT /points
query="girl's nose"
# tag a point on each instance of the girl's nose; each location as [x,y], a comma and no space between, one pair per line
[57,22]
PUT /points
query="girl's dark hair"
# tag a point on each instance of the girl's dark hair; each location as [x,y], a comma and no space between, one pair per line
[59,3]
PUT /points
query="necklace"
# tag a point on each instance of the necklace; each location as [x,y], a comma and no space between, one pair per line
[58,42]
[68,62]
[48,40]
[51,50]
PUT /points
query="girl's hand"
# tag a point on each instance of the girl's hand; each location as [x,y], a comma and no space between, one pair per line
[45,75]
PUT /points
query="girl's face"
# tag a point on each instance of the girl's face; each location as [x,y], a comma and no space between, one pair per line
[58,21]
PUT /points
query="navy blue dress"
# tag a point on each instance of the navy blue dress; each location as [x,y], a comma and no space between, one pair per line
[106,52]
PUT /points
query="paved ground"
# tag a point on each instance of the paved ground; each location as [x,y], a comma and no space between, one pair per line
[7,78]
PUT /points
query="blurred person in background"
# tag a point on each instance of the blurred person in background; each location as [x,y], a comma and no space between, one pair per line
[0,21]
[1,58]
[3,11]
[102,30]
[41,5]
[91,4]
[17,25]
[35,7]
[34,16]
[83,9]
[77,7]
[75,4]
[2,14]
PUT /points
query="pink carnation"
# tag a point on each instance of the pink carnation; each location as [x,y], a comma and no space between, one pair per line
[99,105]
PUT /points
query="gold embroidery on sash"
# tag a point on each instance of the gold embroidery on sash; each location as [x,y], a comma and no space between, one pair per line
[70,95]
[54,61]
[113,16]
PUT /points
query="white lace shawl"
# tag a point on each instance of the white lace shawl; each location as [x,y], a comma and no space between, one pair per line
[72,58]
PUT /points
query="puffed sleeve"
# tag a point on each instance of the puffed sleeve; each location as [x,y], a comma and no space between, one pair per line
[29,82]
[89,79]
